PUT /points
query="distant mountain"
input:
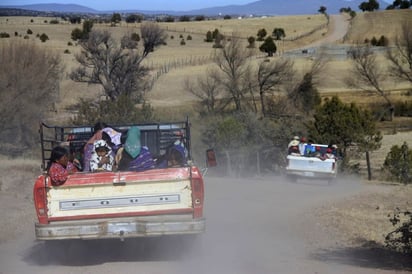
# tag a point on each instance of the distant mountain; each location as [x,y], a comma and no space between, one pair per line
[262,7]
[282,7]
[54,8]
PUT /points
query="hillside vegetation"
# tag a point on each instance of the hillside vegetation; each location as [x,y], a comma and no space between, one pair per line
[192,59]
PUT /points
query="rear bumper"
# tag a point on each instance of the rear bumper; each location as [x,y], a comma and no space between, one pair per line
[117,228]
[311,174]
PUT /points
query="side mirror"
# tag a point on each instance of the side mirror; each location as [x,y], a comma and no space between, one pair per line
[211,158]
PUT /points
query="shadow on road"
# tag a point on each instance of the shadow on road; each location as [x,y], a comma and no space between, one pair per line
[95,252]
[367,257]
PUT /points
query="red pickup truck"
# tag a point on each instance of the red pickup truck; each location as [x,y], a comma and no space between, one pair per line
[120,204]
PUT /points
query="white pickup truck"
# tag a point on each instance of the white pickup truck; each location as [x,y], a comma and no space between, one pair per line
[312,165]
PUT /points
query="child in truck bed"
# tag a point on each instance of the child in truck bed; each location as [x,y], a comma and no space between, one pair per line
[102,158]
[59,166]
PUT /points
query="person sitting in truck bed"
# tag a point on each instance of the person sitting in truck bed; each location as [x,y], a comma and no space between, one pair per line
[293,146]
[133,156]
[59,166]
[112,138]
[89,148]
[102,158]
[175,157]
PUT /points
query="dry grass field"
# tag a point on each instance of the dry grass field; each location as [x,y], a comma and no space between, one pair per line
[369,24]
[168,90]
[191,60]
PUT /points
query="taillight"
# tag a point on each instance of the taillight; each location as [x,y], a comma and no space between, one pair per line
[197,197]
[39,194]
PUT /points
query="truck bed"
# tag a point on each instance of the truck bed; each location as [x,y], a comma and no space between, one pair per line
[311,167]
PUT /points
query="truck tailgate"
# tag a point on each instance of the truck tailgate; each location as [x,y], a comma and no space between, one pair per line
[111,194]
[311,166]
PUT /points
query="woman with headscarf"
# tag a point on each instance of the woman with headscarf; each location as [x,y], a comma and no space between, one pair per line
[134,156]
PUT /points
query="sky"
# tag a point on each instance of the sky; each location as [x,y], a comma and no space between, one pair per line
[101,5]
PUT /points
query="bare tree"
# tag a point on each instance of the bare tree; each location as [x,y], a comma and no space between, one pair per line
[270,75]
[153,36]
[117,69]
[303,93]
[29,88]
[233,61]
[236,81]
[207,89]
[401,57]
[367,74]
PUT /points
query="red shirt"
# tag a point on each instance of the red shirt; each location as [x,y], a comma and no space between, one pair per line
[58,173]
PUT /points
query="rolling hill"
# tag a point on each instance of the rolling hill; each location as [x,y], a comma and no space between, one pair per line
[260,8]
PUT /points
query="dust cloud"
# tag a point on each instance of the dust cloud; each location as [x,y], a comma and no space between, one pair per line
[253,225]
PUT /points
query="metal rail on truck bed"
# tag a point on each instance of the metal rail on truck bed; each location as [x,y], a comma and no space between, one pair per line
[156,136]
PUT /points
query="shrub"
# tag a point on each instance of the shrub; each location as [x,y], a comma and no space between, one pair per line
[251,40]
[29,31]
[199,18]
[209,37]
[383,41]
[135,37]
[184,18]
[189,37]
[4,35]
[43,37]
[401,238]
[54,21]
[77,34]
[66,51]
[374,41]
[16,33]
[26,37]
[182,42]
[398,164]
[69,43]
[31,20]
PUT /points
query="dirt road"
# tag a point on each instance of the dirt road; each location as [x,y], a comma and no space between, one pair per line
[255,225]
